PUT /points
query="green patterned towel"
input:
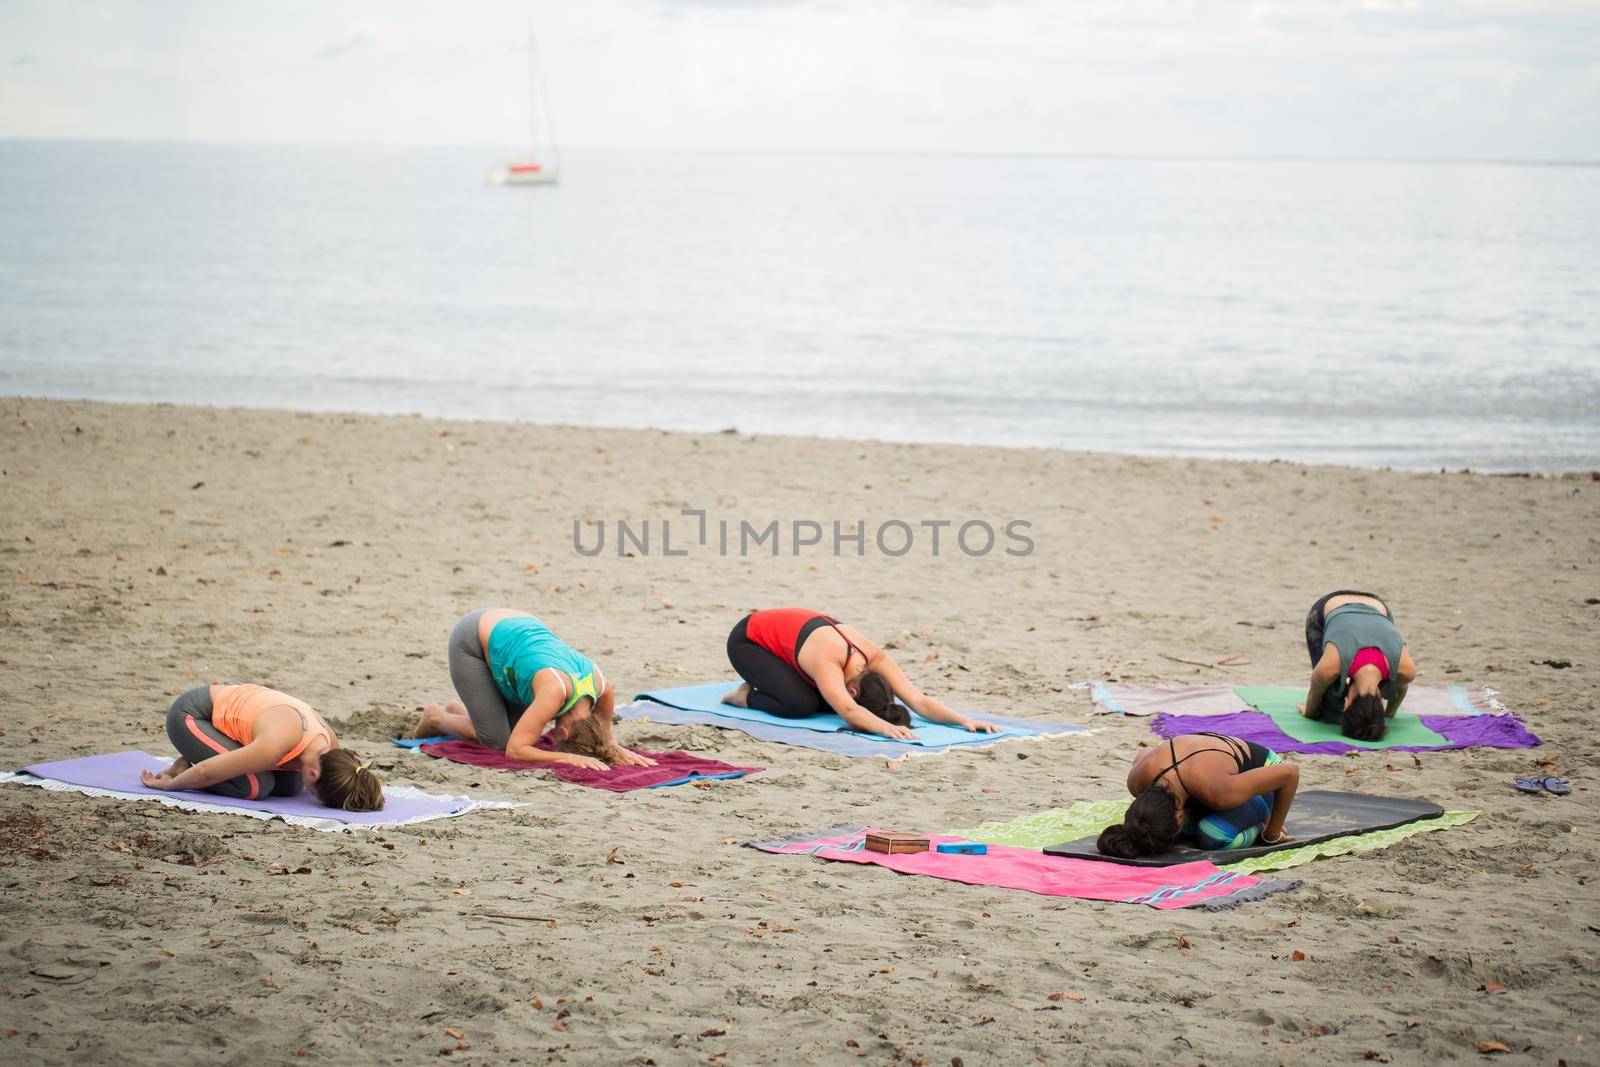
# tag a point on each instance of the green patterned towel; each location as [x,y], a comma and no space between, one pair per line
[1053,826]
[1090,817]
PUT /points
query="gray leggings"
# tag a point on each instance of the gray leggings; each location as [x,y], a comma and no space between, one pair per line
[492,718]
[191,733]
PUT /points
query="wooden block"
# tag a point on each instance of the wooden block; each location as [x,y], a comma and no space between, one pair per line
[887,841]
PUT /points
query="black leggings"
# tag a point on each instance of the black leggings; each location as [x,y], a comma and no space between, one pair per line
[190,730]
[775,687]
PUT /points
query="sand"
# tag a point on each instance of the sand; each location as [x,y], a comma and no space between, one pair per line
[146,548]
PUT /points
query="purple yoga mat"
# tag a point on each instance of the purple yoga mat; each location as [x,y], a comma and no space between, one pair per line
[120,771]
[672,768]
[1462,731]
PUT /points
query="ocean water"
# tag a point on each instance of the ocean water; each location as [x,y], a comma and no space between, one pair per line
[1379,314]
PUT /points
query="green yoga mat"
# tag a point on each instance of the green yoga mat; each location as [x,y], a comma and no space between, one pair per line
[1044,828]
[1279,703]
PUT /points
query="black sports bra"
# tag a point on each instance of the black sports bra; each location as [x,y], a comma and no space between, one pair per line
[1236,748]
[850,646]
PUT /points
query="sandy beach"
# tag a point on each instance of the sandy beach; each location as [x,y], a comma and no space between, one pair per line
[144,549]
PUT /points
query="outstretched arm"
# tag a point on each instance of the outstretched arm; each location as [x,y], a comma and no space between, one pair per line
[928,707]
[830,683]
[549,693]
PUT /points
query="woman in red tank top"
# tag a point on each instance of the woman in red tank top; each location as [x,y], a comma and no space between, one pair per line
[796,662]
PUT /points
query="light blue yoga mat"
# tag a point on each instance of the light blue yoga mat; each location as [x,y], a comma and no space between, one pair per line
[708,698]
[702,705]
[414,743]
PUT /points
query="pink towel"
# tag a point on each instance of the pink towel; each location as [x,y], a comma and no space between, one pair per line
[672,768]
[1182,885]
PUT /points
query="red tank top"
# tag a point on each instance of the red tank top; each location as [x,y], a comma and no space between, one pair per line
[778,631]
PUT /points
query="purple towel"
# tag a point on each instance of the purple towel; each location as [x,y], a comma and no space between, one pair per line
[672,768]
[119,771]
[1461,731]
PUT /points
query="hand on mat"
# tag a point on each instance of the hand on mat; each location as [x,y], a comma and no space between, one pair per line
[156,781]
[899,733]
[627,758]
[587,763]
[979,726]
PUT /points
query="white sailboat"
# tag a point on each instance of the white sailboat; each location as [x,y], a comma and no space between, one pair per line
[532,170]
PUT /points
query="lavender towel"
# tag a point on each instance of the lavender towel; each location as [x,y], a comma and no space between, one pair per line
[1117,699]
[118,773]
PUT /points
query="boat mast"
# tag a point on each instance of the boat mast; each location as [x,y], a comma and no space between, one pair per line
[533,93]
[539,94]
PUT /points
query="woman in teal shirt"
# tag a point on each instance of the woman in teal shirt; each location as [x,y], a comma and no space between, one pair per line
[515,678]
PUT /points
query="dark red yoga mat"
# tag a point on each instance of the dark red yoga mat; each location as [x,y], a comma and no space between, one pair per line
[672,768]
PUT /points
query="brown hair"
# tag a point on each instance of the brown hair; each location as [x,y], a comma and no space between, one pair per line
[1150,826]
[347,783]
[590,736]
[876,695]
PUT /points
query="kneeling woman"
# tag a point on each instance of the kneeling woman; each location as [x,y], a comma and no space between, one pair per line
[1360,666]
[796,662]
[1228,794]
[249,742]
[515,678]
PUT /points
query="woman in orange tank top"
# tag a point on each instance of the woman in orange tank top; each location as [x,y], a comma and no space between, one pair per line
[249,742]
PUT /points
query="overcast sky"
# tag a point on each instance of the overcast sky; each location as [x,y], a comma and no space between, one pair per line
[1389,78]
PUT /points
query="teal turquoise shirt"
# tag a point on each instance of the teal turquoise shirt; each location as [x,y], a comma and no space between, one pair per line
[522,646]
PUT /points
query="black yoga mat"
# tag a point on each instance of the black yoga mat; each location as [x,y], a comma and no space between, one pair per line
[1317,815]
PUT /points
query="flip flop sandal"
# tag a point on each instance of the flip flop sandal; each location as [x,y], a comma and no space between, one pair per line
[1529,785]
[1559,786]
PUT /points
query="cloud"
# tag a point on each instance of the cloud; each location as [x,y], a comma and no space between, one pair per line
[731,4]
[1436,78]
[353,43]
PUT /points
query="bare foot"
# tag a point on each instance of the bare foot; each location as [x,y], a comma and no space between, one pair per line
[455,707]
[179,765]
[431,723]
[740,697]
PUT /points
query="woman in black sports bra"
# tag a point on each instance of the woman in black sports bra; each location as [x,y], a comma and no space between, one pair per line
[1225,792]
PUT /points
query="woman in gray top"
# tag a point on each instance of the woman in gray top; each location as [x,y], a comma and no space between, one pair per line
[1360,665]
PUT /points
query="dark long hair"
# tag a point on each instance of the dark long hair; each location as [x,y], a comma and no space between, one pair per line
[877,697]
[1151,826]
[1364,719]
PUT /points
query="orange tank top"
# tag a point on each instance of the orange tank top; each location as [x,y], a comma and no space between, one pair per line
[234,709]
